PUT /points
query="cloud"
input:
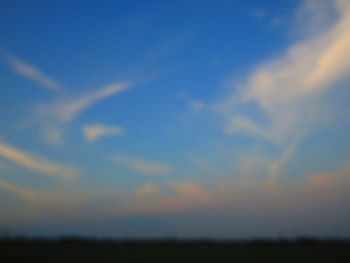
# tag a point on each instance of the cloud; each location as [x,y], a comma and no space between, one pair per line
[252,208]
[29,71]
[184,196]
[238,197]
[95,131]
[142,166]
[287,90]
[190,190]
[67,110]
[146,190]
[55,115]
[334,180]
[43,205]
[36,163]
[27,194]
[313,16]
[197,105]
[283,87]
[279,162]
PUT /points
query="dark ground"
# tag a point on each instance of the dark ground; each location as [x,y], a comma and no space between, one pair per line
[89,250]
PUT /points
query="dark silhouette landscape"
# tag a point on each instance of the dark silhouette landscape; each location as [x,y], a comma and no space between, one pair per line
[75,249]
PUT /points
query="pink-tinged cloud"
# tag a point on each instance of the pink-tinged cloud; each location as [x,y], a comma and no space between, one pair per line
[37,163]
[147,190]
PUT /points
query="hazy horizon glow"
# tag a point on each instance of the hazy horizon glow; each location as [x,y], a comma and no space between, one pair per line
[217,119]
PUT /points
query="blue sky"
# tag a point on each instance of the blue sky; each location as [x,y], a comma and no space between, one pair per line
[187,118]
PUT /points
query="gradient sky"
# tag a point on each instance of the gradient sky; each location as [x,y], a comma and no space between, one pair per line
[220,119]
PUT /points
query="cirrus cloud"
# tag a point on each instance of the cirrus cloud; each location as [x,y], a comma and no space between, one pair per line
[146,190]
[288,90]
[37,163]
[53,117]
[142,166]
[94,132]
[31,72]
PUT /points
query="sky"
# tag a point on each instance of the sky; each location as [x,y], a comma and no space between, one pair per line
[184,119]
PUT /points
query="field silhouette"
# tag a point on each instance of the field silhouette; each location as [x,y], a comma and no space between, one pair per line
[74,249]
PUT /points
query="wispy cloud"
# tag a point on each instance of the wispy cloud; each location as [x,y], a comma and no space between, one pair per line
[191,190]
[331,180]
[183,196]
[282,159]
[287,89]
[197,105]
[317,200]
[94,132]
[65,108]
[194,104]
[68,109]
[27,194]
[31,72]
[55,115]
[37,163]
[147,190]
[57,205]
[141,165]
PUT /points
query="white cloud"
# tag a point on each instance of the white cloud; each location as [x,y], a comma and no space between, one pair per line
[95,131]
[287,89]
[67,109]
[283,87]
[313,16]
[36,163]
[142,166]
[55,115]
[29,71]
